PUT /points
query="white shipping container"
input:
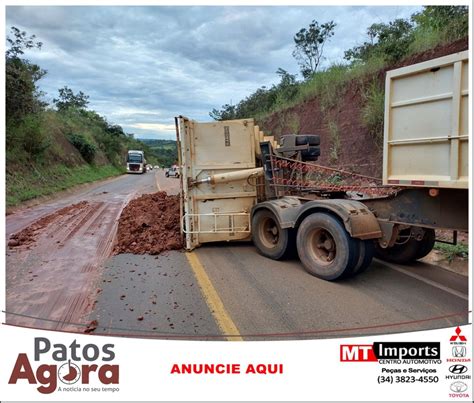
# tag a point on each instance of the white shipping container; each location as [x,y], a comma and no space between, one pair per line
[426,134]
[216,211]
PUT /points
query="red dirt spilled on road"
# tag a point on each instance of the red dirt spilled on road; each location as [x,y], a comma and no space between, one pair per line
[149,224]
[28,235]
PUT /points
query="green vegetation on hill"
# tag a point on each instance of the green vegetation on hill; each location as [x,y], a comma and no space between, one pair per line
[42,180]
[53,147]
[385,45]
[164,151]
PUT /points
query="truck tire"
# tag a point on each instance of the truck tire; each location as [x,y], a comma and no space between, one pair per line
[311,154]
[270,239]
[366,254]
[409,251]
[401,253]
[427,243]
[325,247]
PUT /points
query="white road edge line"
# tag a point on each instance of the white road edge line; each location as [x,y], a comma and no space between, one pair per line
[425,280]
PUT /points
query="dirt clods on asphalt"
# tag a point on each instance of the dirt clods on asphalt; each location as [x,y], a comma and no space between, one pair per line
[28,235]
[149,224]
[91,326]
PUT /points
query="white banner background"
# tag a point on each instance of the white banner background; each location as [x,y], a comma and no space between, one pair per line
[312,369]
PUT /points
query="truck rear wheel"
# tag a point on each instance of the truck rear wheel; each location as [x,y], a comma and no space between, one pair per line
[427,243]
[270,239]
[325,247]
[408,251]
[366,254]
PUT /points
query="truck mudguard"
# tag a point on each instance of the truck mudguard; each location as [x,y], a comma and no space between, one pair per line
[358,220]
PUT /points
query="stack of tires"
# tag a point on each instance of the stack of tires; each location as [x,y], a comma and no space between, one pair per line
[314,150]
[313,142]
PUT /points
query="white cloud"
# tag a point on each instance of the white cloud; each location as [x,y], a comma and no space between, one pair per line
[141,66]
[153,127]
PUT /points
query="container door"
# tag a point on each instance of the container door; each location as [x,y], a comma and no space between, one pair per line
[426,139]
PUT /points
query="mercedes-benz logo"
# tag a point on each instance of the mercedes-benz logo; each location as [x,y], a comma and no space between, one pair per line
[458,387]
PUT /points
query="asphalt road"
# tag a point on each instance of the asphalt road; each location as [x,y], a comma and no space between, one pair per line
[50,283]
[229,291]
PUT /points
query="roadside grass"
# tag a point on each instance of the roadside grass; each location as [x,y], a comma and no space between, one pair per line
[452,251]
[294,124]
[373,111]
[426,39]
[329,85]
[36,181]
[335,141]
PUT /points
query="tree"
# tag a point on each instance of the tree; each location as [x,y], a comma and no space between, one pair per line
[287,88]
[286,79]
[227,112]
[390,41]
[22,94]
[453,21]
[20,42]
[115,130]
[260,101]
[67,99]
[309,46]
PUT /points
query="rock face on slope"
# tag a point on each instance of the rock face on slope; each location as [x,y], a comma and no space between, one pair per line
[357,150]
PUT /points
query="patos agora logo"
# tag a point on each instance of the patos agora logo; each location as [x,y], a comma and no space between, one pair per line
[69,364]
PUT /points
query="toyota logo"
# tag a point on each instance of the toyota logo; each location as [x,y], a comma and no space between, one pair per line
[457,369]
[458,387]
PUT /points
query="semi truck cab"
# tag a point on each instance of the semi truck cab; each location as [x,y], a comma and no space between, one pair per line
[136,162]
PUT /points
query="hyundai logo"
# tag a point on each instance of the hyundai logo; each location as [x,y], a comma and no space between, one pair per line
[459,351]
[457,369]
[458,387]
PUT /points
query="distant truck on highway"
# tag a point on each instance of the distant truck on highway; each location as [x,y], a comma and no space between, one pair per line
[136,162]
[238,184]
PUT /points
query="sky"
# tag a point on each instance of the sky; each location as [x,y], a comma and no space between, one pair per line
[142,66]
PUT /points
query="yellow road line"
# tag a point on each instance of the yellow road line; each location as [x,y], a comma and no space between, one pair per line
[212,298]
[157,184]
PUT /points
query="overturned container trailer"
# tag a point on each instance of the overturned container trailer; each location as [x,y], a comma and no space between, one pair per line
[238,184]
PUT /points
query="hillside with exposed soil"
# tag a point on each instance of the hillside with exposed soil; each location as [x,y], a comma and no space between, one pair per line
[342,123]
